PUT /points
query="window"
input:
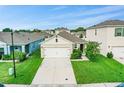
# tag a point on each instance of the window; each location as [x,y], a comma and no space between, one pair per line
[1,51]
[119,32]
[95,32]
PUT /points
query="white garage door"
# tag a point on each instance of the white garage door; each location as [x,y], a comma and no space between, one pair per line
[118,51]
[57,52]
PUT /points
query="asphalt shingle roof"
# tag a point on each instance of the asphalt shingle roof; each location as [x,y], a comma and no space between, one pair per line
[71,37]
[20,38]
[108,23]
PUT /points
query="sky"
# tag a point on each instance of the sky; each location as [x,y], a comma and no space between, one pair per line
[53,16]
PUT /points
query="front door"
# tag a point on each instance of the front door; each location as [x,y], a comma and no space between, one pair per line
[81,47]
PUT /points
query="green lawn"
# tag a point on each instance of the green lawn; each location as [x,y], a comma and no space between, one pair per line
[25,70]
[103,70]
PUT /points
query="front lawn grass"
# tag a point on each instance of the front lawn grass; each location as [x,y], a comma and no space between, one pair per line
[25,70]
[103,70]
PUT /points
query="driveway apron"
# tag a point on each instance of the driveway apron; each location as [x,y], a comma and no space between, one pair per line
[55,71]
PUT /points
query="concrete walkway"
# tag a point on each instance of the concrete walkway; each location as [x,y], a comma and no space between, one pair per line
[67,85]
[81,85]
[55,71]
[16,85]
[100,85]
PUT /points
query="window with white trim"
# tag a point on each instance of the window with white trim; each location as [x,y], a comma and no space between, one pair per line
[119,31]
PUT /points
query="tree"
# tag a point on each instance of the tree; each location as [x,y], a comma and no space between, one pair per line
[36,30]
[78,29]
[23,30]
[92,49]
[7,30]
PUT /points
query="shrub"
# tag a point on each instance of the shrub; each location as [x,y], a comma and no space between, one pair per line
[110,55]
[92,49]
[6,57]
[76,54]
[19,55]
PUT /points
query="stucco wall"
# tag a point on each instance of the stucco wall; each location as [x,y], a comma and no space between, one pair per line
[107,37]
[112,39]
[100,37]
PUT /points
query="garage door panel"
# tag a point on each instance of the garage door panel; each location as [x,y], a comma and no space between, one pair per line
[118,51]
[57,52]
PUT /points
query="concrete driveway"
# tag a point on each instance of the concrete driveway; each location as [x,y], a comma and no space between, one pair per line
[55,71]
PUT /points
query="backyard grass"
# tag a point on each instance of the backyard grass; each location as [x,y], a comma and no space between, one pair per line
[25,70]
[103,70]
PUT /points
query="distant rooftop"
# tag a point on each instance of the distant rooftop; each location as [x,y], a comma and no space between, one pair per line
[61,28]
[108,23]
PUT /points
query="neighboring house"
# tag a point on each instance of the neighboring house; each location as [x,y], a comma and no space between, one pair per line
[45,34]
[61,45]
[51,32]
[57,30]
[80,34]
[110,34]
[61,29]
[26,42]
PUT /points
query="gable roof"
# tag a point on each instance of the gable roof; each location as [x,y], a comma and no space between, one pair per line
[71,37]
[108,23]
[20,38]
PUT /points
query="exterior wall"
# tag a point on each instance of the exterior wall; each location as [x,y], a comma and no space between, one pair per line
[52,43]
[105,36]
[16,48]
[100,37]
[112,39]
[5,47]
[34,45]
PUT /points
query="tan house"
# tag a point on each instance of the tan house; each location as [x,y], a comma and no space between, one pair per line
[61,45]
[110,34]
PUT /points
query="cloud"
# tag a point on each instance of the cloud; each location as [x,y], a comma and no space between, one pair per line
[92,20]
[72,19]
[103,10]
[106,9]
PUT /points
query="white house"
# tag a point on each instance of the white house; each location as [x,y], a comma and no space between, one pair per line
[110,34]
[61,45]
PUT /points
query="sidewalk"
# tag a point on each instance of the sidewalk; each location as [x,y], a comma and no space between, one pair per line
[100,85]
[67,85]
[16,85]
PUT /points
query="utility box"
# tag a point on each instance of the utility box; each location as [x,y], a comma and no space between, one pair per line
[11,71]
